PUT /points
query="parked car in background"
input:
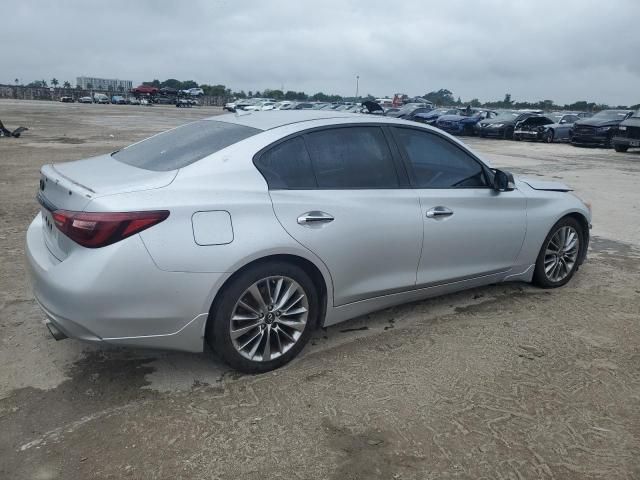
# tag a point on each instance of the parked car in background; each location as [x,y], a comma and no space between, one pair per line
[118,100]
[503,125]
[562,128]
[302,106]
[85,100]
[531,128]
[464,121]
[598,130]
[193,92]
[101,98]
[162,100]
[430,117]
[66,99]
[131,248]
[410,111]
[133,101]
[627,135]
[183,103]
[144,90]
[283,105]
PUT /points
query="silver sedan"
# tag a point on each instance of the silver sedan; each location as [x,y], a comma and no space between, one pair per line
[250,230]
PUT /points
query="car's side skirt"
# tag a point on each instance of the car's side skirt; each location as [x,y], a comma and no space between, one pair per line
[362,307]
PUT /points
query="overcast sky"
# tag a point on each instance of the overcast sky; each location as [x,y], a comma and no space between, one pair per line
[564,50]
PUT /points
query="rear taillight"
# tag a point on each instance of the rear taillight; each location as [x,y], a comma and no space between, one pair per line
[99,229]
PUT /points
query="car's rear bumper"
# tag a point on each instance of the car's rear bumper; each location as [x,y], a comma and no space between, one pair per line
[116,294]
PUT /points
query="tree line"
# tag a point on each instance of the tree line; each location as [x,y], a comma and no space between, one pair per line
[441,97]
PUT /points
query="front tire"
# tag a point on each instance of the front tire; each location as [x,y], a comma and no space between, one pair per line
[508,133]
[560,255]
[548,136]
[264,317]
[620,148]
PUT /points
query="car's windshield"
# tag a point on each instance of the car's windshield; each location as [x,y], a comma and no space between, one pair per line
[610,115]
[184,145]
[505,116]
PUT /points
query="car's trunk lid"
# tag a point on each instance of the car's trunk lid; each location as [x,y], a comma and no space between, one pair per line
[73,185]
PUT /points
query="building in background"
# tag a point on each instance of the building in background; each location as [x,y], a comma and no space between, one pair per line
[108,84]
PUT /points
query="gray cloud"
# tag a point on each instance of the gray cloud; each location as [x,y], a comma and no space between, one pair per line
[542,49]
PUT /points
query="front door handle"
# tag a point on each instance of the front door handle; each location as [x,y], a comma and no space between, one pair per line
[314,217]
[437,212]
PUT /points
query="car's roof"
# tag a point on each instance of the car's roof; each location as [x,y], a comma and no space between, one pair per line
[278,118]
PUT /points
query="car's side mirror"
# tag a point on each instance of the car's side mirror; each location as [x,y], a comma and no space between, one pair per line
[503,181]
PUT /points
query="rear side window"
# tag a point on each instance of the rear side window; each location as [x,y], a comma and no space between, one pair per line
[353,157]
[287,166]
[437,163]
[184,145]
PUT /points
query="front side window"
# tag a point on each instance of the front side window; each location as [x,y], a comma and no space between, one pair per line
[352,157]
[438,163]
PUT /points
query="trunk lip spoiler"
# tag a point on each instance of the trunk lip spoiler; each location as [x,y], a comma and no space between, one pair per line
[42,200]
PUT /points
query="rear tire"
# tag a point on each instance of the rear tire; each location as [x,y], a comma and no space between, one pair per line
[560,254]
[237,309]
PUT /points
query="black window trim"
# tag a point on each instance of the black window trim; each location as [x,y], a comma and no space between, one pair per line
[401,172]
[487,172]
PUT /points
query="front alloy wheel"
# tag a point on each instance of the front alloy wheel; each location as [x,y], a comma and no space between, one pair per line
[560,255]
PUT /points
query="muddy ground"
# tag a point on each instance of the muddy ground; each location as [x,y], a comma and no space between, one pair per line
[503,382]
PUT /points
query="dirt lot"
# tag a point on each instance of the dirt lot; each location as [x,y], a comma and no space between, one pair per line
[503,382]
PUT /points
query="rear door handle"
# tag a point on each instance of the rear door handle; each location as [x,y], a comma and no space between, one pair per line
[437,212]
[314,217]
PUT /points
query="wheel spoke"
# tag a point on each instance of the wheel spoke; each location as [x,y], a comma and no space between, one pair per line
[266,352]
[276,332]
[239,317]
[295,325]
[249,308]
[286,296]
[252,352]
[291,304]
[248,342]
[241,331]
[296,311]
[257,296]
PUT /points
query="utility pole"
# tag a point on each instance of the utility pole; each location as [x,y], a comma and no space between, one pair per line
[357,85]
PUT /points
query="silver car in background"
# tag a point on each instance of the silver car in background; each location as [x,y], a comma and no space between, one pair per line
[250,230]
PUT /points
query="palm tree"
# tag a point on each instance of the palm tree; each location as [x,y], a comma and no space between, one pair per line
[17,80]
[66,84]
[43,83]
[54,82]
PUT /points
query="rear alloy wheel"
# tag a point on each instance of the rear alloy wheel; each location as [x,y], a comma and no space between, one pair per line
[560,254]
[264,318]
[548,136]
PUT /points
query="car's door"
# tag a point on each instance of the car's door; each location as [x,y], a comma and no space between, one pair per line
[470,229]
[565,126]
[340,193]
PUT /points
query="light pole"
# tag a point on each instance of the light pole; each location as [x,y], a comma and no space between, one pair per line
[357,85]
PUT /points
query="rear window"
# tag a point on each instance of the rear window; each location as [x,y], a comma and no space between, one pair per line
[184,145]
